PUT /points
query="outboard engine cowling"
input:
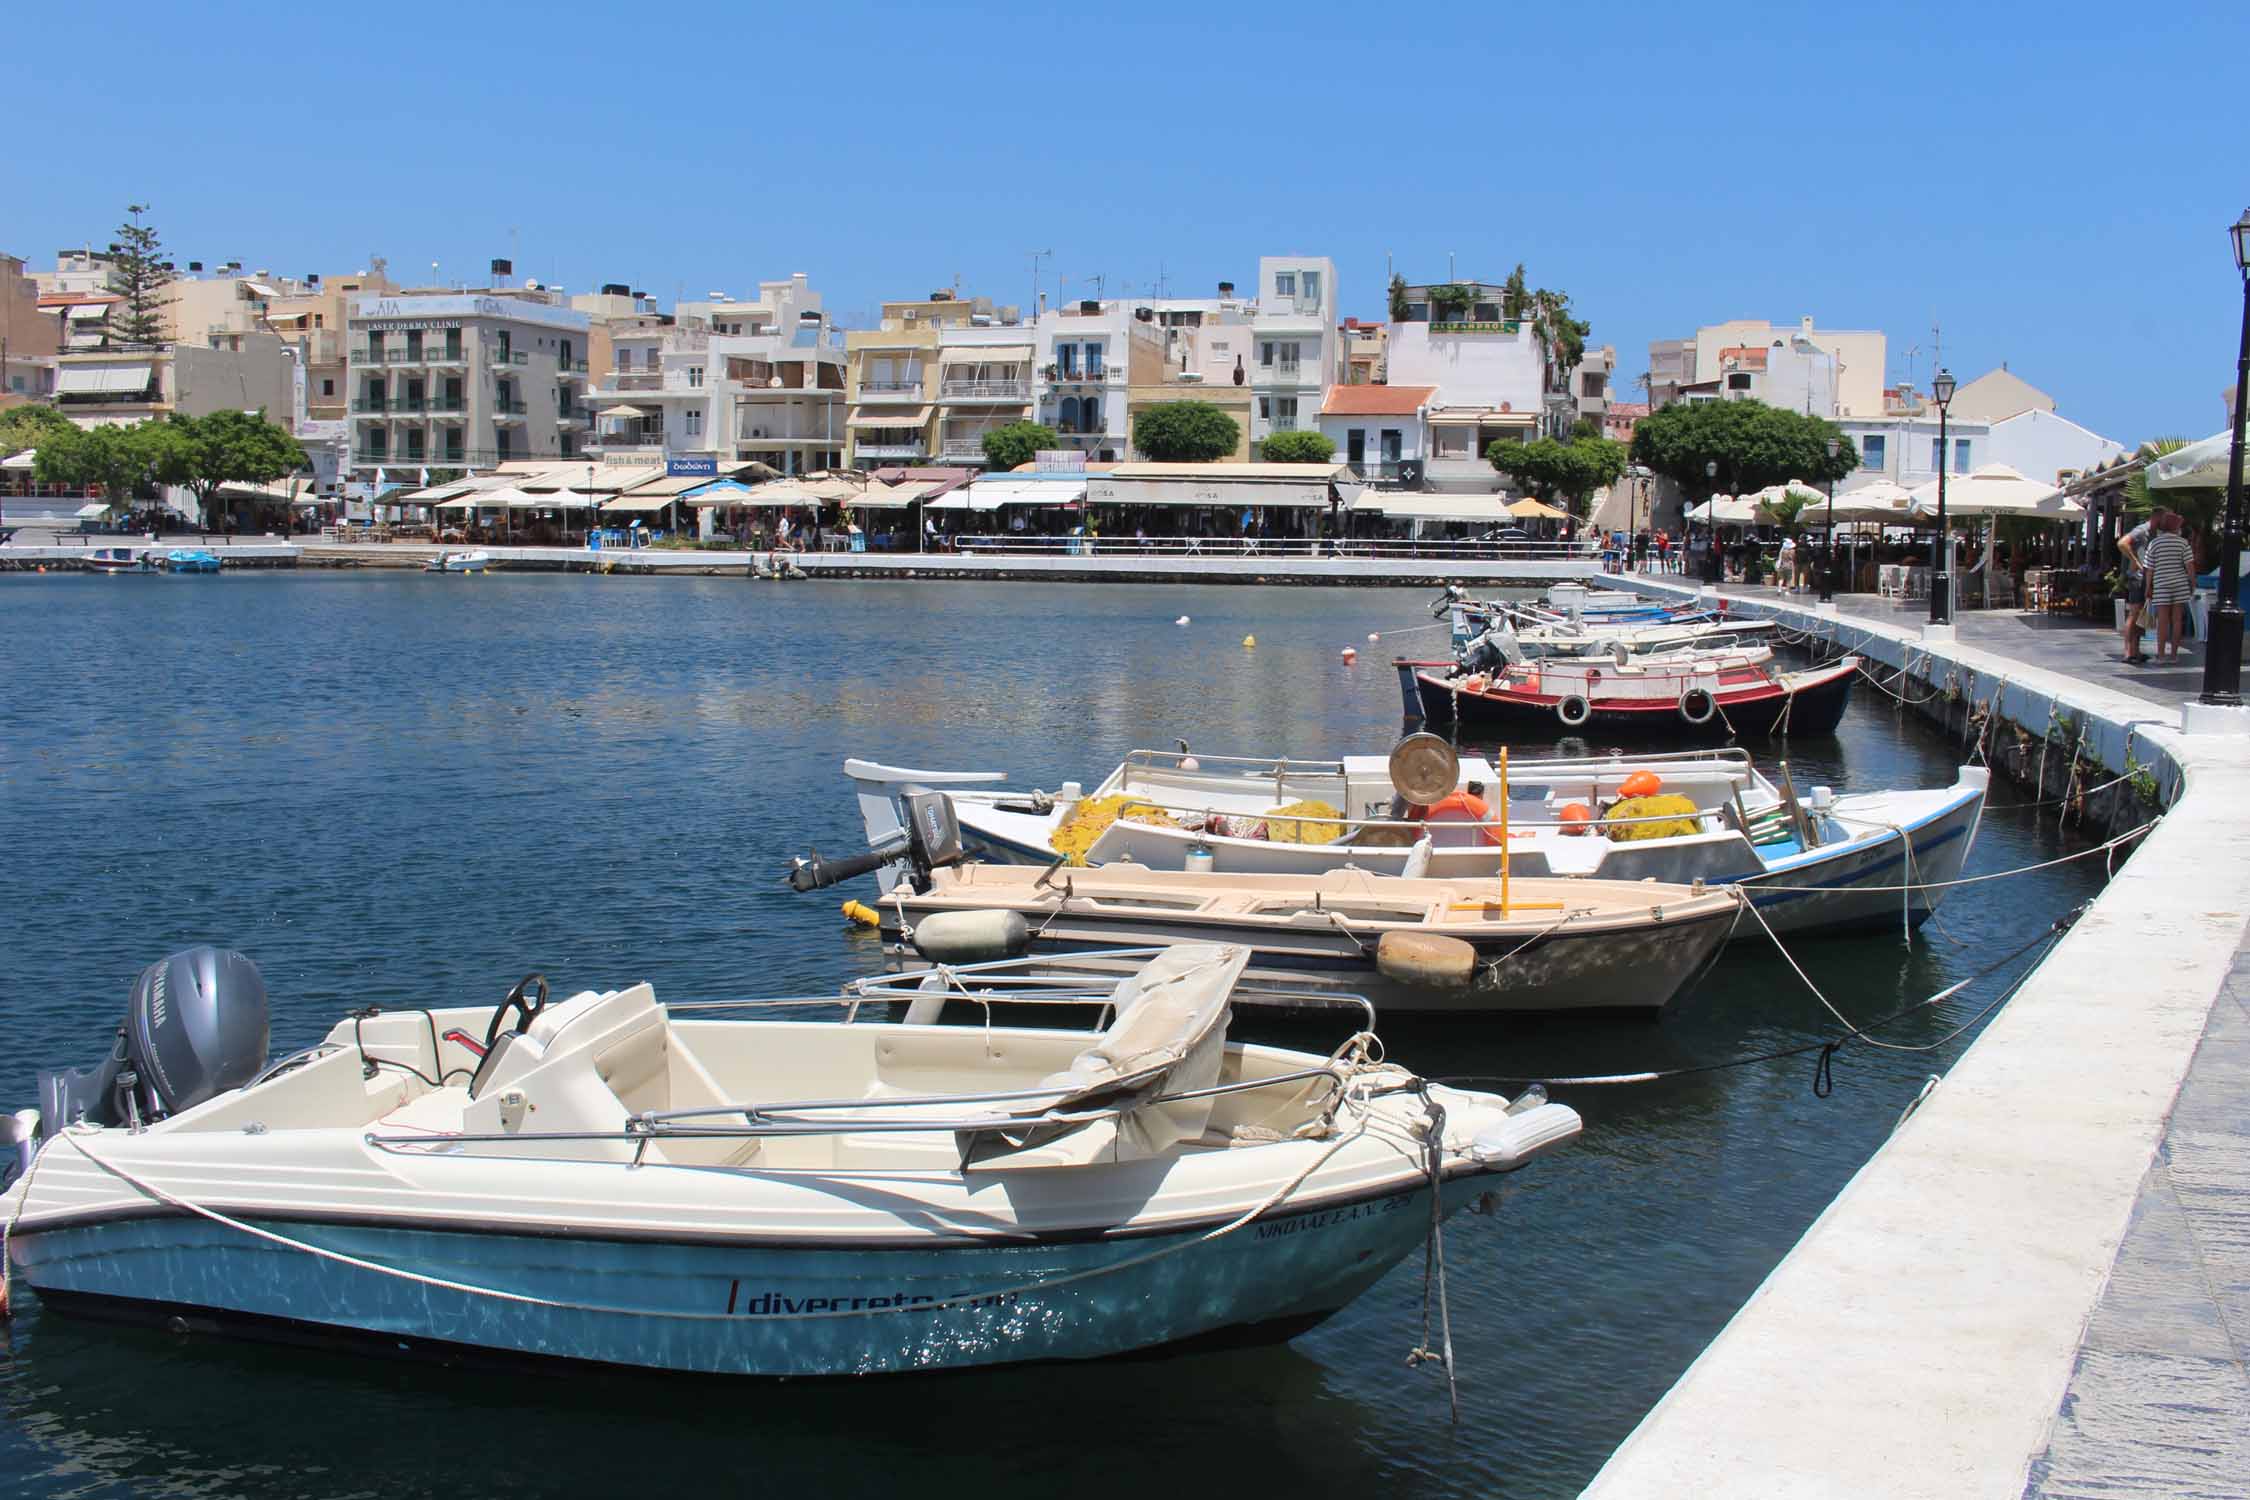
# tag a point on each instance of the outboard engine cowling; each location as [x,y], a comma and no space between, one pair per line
[196,1026]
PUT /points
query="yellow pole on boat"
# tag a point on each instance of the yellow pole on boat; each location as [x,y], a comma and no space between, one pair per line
[1505,860]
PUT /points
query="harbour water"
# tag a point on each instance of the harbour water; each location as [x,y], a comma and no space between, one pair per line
[403,790]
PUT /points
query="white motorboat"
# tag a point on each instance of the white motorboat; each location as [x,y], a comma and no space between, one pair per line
[477,561]
[1822,862]
[713,1189]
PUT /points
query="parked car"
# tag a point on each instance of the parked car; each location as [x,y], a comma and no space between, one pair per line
[1505,534]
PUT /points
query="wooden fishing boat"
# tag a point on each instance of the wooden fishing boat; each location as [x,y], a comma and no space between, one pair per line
[1706,696]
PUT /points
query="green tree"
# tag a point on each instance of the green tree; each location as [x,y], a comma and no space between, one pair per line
[119,459]
[1017,444]
[1515,298]
[1185,432]
[1398,298]
[201,454]
[1564,472]
[1299,448]
[1584,428]
[24,427]
[137,273]
[1450,303]
[1753,444]
[1562,337]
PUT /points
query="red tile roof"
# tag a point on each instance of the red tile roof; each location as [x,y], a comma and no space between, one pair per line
[1376,400]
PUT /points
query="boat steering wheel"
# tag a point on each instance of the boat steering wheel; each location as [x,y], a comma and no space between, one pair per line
[527,999]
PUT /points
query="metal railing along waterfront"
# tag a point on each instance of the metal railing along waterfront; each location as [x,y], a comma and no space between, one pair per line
[1278,548]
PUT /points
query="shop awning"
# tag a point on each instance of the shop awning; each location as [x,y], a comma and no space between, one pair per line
[1050,493]
[102,380]
[24,460]
[890,496]
[88,512]
[1397,505]
[1220,494]
[89,312]
[1481,416]
[897,416]
[996,354]
[642,501]
[965,498]
[719,493]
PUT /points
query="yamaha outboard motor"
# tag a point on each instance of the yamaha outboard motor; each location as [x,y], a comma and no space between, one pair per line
[195,1028]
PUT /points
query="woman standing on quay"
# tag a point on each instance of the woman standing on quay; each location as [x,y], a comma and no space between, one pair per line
[2170,562]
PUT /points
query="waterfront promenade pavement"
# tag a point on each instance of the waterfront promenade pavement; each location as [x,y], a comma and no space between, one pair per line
[2040,1286]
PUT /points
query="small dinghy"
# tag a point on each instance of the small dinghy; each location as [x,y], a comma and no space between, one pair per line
[1500,944]
[715,1189]
[477,561]
[191,560]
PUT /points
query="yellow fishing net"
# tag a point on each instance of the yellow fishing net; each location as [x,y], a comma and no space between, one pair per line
[1652,807]
[1308,822]
[1090,820]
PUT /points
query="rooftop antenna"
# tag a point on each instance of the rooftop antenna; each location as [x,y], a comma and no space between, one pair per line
[1036,257]
[1937,346]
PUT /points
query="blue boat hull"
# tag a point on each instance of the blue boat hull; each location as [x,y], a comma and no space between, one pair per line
[748,1309]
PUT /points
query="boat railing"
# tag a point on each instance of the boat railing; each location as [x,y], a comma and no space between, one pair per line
[788,1119]
[1264,765]
[1354,825]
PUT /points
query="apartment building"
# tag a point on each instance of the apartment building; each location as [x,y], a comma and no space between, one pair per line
[984,382]
[313,319]
[1488,377]
[784,394]
[661,394]
[102,387]
[465,380]
[30,338]
[891,408]
[1090,354]
[1365,348]
[1828,372]
[1209,346]
[1297,343]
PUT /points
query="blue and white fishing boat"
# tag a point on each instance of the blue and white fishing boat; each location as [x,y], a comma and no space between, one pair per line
[719,1190]
[191,560]
[1820,862]
[475,561]
[120,560]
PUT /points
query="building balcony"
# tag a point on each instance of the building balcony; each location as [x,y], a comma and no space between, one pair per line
[1293,377]
[368,407]
[1077,375]
[572,418]
[507,411]
[985,390]
[866,449]
[891,390]
[963,447]
[570,369]
[502,358]
[445,357]
[634,380]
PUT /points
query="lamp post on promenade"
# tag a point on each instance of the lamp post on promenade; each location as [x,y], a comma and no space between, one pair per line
[1828,551]
[1714,571]
[1941,565]
[2222,653]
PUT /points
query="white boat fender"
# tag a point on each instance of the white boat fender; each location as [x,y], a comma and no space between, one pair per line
[1426,958]
[971,937]
[1514,1139]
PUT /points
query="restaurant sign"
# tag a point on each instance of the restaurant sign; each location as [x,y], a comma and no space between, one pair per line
[704,467]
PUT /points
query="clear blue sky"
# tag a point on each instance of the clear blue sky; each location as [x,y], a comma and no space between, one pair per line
[2050,183]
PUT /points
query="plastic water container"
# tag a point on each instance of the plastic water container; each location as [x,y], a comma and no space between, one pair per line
[1201,861]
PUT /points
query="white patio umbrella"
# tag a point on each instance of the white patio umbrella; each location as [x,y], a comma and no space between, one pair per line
[1730,510]
[1992,491]
[1881,501]
[2198,466]
[1996,490]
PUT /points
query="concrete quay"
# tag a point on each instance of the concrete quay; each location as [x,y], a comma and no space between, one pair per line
[2040,1286]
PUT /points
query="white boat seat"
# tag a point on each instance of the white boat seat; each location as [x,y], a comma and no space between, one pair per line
[601,1059]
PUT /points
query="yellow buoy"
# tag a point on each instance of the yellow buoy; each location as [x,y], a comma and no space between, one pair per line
[1249,640]
[863,914]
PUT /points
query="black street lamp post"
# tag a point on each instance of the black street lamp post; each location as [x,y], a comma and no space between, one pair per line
[1714,569]
[1941,565]
[2222,653]
[1828,555]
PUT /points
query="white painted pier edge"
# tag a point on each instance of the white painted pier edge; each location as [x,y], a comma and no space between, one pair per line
[1919,1339]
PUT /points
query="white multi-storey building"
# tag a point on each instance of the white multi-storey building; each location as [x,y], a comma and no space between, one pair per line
[1489,382]
[465,380]
[1296,345]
